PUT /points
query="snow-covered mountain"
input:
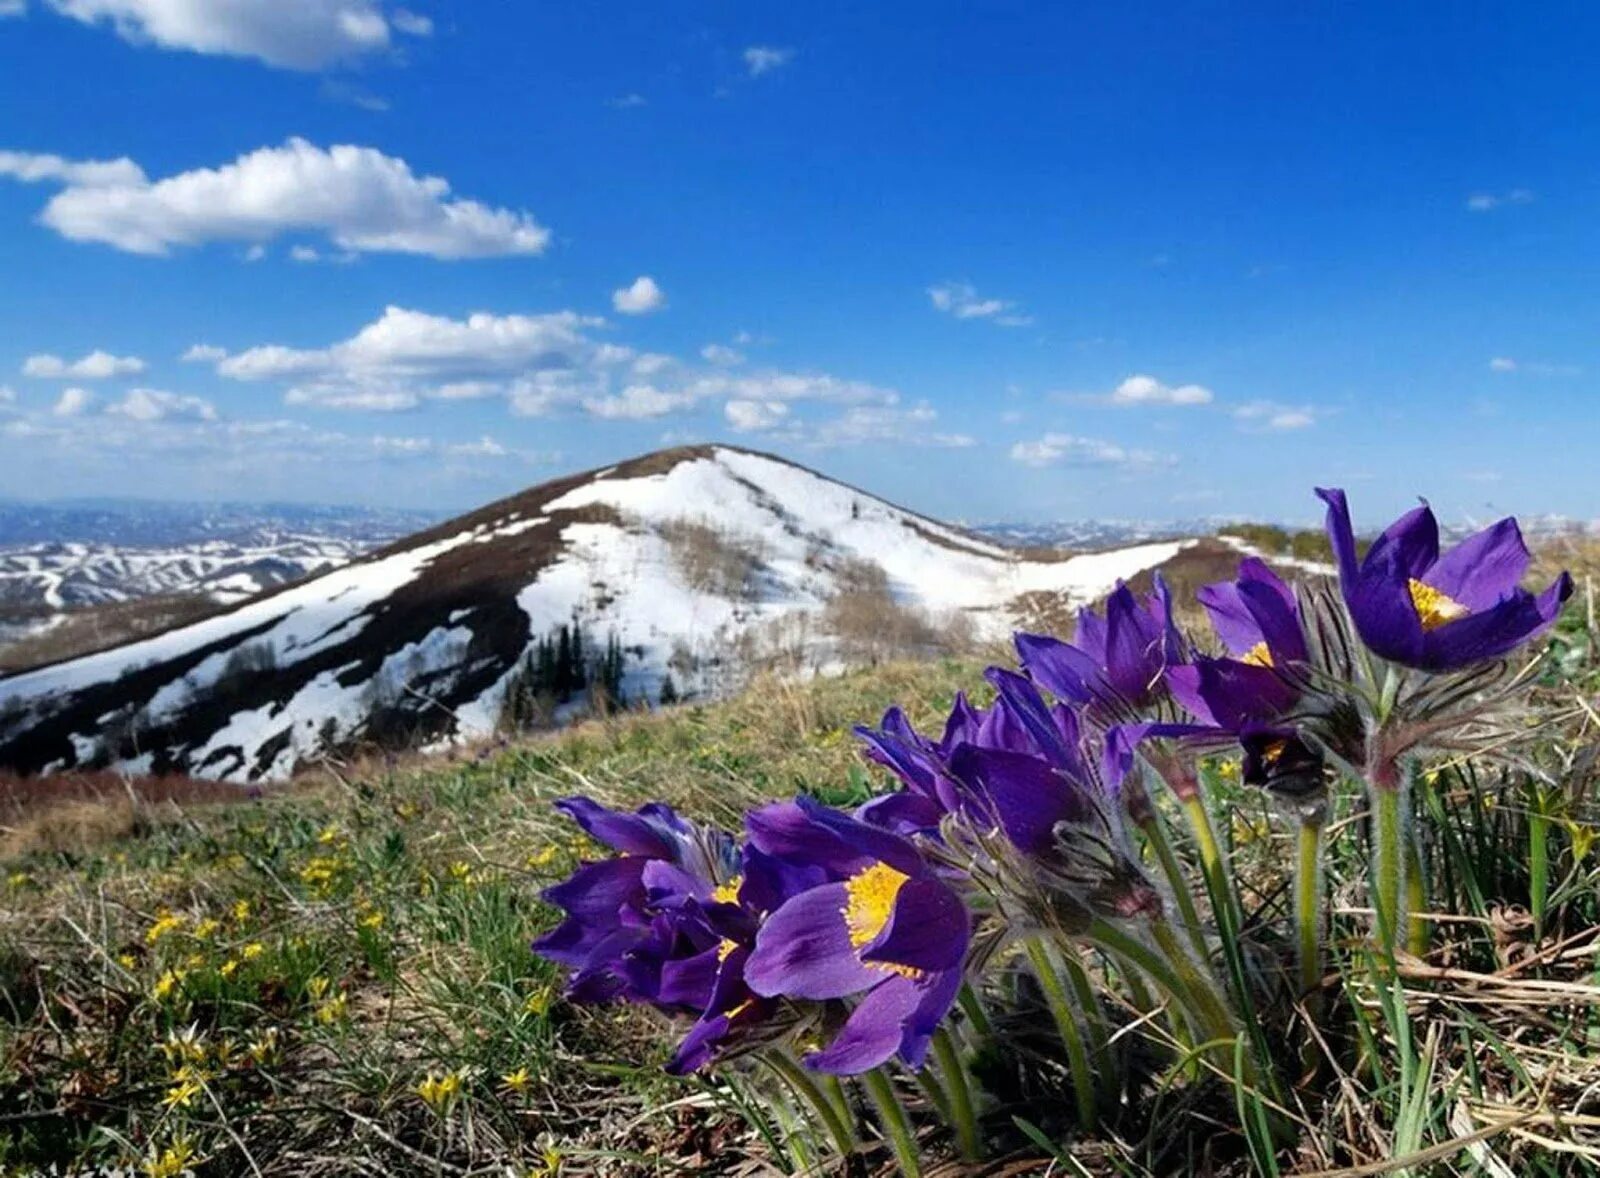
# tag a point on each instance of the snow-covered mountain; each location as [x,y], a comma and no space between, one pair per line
[73,575]
[686,558]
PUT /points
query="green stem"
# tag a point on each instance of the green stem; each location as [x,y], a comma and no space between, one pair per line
[892,1117]
[1155,834]
[960,1089]
[1418,934]
[976,1014]
[1055,996]
[807,1088]
[1388,862]
[1308,913]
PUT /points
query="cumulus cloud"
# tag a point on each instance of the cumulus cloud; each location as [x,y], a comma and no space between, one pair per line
[97,365]
[887,425]
[1488,202]
[157,405]
[302,35]
[791,386]
[1271,417]
[358,198]
[721,355]
[637,402]
[204,354]
[1072,450]
[12,8]
[404,355]
[1147,390]
[73,402]
[750,417]
[641,298]
[961,300]
[1532,367]
[763,59]
[34,168]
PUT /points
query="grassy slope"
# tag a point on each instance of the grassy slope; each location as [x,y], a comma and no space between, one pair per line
[337,944]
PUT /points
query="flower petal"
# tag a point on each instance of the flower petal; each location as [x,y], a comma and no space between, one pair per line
[1341,535]
[804,951]
[1062,669]
[647,833]
[928,928]
[1023,795]
[1495,631]
[937,997]
[1484,568]
[873,1031]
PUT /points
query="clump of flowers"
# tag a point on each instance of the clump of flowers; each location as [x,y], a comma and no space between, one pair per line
[1025,859]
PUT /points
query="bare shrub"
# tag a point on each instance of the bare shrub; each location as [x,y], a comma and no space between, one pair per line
[710,560]
[870,625]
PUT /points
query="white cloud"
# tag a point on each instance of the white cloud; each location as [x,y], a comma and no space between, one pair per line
[204,354]
[637,402]
[652,363]
[961,300]
[721,355]
[755,416]
[1271,417]
[628,102]
[8,395]
[290,34]
[791,386]
[156,405]
[73,402]
[763,59]
[362,200]
[404,355]
[1071,449]
[97,365]
[1487,202]
[33,168]
[12,8]
[1147,390]
[412,24]
[643,297]
[484,447]
[303,253]
[1532,367]
[886,424]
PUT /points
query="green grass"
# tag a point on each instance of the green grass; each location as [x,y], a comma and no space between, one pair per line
[336,979]
[272,985]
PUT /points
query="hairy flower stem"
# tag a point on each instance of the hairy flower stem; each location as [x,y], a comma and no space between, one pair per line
[810,1091]
[1388,855]
[1155,834]
[1418,934]
[1308,912]
[1066,1020]
[894,1122]
[959,1085]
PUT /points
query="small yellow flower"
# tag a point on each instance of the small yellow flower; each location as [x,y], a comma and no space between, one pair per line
[372,920]
[127,961]
[186,1046]
[462,873]
[317,987]
[166,984]
[207,928]
[329,834]
[440,1092]
[333,1010]
[172,1161]
[263,1049]
[253,950]
[19,879]
[241,911]
[1582,836]
[544,858]
[537,1003]
[228,968]
[166,922]
[182,1094]
[517,1081]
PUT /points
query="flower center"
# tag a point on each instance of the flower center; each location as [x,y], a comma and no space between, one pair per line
[725,948]
[871,895]
[1434,609]
[1257,656]
[728,893]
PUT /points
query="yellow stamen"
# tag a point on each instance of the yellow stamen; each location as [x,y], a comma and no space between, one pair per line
[740,1009]
[1257,656]
[1434,608]
[728,893]
[872,895]
[725,948]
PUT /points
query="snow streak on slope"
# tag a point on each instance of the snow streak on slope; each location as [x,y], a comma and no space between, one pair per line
[423,637]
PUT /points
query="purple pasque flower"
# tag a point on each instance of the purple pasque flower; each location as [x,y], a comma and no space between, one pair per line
[884,929]
[1120,659]
[1416,607]
[1258,620]
[638,926]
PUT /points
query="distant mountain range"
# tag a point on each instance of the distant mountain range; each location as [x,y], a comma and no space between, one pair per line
[680,566]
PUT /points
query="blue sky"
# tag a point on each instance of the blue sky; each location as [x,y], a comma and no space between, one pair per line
[1019,261]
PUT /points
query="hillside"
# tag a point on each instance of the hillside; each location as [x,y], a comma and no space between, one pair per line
[693,563]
